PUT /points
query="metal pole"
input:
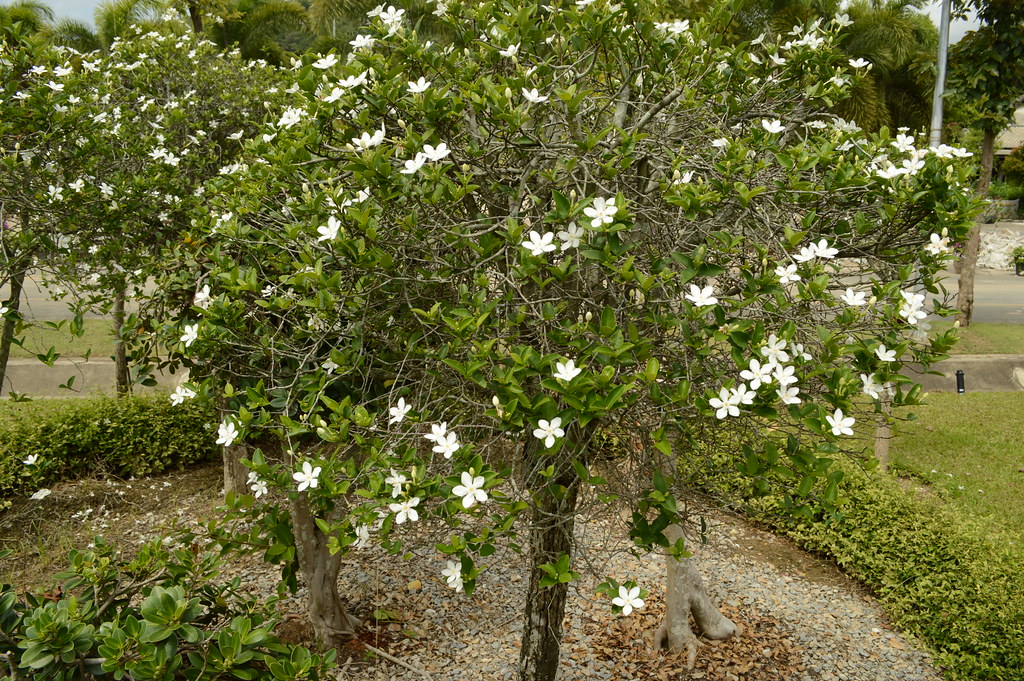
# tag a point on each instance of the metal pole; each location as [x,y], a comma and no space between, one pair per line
[940,77]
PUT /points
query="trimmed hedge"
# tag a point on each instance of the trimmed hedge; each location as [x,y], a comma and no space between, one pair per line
[948,577]
[74,438]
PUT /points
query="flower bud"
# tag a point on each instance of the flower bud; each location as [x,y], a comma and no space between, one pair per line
[401,123]
[589,316]
[465,167]
[956,324]
[508,93]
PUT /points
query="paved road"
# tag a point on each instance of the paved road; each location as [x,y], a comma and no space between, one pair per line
[999,297]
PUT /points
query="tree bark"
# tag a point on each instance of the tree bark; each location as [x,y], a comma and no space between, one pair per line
[331,622]
[195,14]
[121,376]
[551,536]
[965,295]
[685,596]
[236,475]
[883,433]
[17,283]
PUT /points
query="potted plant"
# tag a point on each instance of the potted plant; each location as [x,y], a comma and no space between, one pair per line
[1017,255]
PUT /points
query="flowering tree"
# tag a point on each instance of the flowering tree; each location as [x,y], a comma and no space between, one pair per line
[115,149]
[448,267]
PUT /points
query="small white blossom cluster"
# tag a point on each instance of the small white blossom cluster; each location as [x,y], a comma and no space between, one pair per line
[773,370]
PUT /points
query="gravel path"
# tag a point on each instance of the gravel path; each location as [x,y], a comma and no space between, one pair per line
[802,619]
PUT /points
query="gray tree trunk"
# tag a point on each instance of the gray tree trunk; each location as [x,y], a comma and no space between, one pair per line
[685,596]
[965,294]
[17,283]
[551,536]
[331,622]
[122,378]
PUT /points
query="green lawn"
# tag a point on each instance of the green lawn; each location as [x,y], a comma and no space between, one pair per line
[98,338]
[987,339]
[968,449]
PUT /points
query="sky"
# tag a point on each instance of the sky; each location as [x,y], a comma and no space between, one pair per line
[83,10]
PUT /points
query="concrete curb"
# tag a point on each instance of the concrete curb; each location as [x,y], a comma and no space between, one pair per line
[982,373]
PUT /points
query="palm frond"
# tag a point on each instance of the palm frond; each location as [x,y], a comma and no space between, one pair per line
[73,33]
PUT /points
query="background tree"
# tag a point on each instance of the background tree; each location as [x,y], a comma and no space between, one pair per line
[446,267]
[113,19]
[987,67]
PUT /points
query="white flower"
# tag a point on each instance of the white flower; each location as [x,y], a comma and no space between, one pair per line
[436,153]
[453,576]
[307,477]
[368,141]
[788,395]
[399,411]
[362,42]
[533,96]
[437,431]
[725,404]
[40,495]
[329,231]
[4,310]
[418,86]
[758,374]
[720,143]
[362,537]
[406,510]
[227,433]
[740,395]
[628,600]
[571,236]
[447,445]
[884,354]
[601,212]
[509,51]
[471,490]
[871,385]
[823,250]
[539,245]
[326,62]
[182,393]
[414,164]
[772,126]
[396,480]
[785,375]
[853,298]
[392,18]
[31,460]
[786,274]
[290,117]
[937,245]
[806,253]
[841,425]
[775,349]
[330,366]
[702,297]
[567,370]
[549,431]
[860,63]
[202,297]
[842,20]
[258,487]
[190,335]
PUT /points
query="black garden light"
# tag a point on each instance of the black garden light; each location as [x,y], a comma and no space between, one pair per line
[960,381]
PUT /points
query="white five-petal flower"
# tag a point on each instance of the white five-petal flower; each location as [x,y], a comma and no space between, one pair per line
[471,490]
[567,370]
[629,600]
[406,510]
[182,393]
[329,231]
[549,431]
[853,298]
[190,335]
[601,212]
[773,126]
[533,96]
[227,433]
[399,411]
[539,245]
[840,424]
[308,477]
[702,297]
[885,354]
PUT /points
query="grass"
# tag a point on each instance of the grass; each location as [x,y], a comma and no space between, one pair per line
[967,448]
[987,339]
[97,339]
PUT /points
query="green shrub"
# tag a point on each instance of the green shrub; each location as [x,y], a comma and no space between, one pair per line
[1006,190]
[1013,166]
[165,614]
[942,574]
[74,438]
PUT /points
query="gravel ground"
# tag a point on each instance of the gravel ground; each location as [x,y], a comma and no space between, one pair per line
[802,619]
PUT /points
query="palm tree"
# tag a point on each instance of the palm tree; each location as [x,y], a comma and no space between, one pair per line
[901,44]
[256,26]
[31,14]
[113,19]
